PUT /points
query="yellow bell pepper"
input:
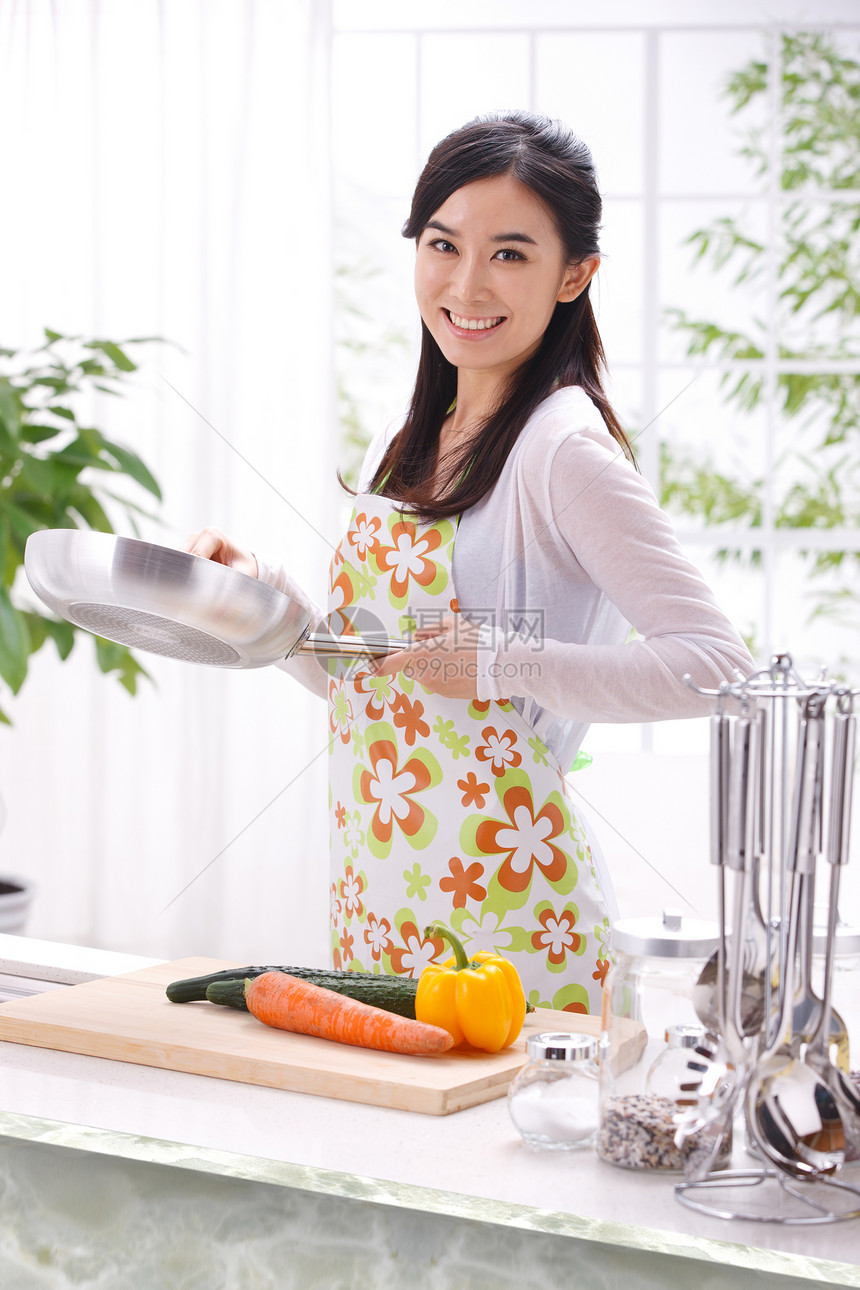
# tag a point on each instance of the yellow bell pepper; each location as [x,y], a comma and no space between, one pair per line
[479,1001]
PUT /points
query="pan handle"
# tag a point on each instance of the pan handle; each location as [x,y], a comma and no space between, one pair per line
[324,645]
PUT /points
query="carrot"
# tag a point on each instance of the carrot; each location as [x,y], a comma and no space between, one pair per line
[287,1003]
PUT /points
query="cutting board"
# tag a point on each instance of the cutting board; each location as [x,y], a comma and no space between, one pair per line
[128,1018]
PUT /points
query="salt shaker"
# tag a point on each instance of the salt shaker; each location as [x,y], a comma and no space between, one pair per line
[670,1076]
[554,1099]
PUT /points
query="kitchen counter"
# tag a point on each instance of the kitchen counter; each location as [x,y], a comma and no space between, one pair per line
[113,1174]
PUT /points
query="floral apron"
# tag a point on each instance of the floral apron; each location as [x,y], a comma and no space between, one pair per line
[443,809]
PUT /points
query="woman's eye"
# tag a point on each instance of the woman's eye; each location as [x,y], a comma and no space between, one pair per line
[440,244]
[508,256]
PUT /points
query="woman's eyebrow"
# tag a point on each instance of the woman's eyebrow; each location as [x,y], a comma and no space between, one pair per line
[497,237]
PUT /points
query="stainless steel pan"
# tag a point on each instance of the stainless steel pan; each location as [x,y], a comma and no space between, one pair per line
[168,602]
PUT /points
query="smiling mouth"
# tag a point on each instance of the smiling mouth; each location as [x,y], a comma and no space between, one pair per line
[474,324]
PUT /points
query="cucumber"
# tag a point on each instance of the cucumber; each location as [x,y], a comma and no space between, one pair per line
[193,988]
[230,994]
[393,993]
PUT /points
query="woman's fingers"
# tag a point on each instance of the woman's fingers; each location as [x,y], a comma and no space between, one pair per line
[212,544]
[443,662]
[206,543]
[389,664]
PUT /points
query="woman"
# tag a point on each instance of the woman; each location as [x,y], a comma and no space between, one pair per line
[504,529]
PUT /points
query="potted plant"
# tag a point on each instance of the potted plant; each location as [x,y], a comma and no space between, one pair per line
[56,471]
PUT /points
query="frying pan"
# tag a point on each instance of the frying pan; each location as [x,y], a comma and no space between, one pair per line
[169,602]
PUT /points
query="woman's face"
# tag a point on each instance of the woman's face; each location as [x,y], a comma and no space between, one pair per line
[489,270]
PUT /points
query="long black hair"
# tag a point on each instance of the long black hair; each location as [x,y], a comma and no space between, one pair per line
[548,159]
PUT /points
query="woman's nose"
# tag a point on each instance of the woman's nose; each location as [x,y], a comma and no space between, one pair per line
[470,279]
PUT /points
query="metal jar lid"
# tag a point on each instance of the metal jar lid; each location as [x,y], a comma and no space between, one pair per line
[561,1047]
[684,1036]
[846,942]
[674,936]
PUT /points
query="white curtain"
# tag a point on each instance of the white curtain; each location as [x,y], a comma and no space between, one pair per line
[165,172]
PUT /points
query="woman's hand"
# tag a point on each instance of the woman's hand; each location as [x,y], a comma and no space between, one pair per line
[443,658]
[212,544]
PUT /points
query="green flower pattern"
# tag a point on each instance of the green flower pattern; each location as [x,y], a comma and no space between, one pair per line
[457,745]
[416,882]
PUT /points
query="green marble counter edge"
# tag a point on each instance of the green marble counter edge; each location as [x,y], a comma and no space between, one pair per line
[405,1196]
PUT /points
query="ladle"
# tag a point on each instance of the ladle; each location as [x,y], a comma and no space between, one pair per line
[791,1110]
[808,1016]
[743,850]
[719,1063]
[820,1050]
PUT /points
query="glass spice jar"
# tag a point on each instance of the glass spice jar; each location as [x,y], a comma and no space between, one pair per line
[846,961]
[553,1100]
[649,1029]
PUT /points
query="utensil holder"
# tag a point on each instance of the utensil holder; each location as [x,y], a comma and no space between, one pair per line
[781,777]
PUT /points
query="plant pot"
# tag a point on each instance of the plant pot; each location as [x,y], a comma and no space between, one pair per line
[16,896]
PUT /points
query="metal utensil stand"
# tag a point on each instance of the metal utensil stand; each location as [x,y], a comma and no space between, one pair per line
[782,754]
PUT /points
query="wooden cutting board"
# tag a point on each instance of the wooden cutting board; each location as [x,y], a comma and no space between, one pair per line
[128,1018]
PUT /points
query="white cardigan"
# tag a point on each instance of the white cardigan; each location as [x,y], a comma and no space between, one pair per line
[565,553]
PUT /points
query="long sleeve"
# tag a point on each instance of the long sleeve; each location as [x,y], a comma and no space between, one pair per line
[307,669]
[592,519]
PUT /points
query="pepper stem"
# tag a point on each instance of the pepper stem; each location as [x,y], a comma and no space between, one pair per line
[438,930]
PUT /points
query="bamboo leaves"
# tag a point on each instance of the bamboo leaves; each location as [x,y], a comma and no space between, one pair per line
[816,479]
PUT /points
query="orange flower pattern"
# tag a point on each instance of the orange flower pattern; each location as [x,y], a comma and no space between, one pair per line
[463,883]
[341,596]
[445,809]
[474,792]
[526,839]
[499,750]
[556,934]
[416,951]
[351,887]
[376,695]
[346,943]
[363,535]
[377,936]
[340,714]
[391,789]
[408,717]
[409,558]
[343,590]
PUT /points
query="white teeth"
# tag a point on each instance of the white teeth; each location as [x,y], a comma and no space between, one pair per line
[474,324]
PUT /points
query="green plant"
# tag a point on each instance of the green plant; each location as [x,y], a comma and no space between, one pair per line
[52,468]
[816,476]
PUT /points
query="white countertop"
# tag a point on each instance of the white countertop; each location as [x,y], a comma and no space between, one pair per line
[467,1159]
